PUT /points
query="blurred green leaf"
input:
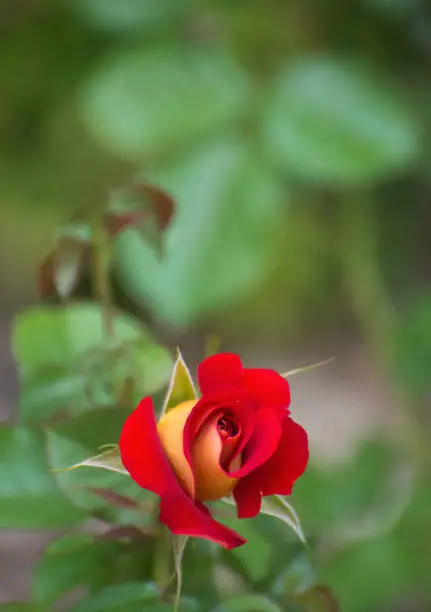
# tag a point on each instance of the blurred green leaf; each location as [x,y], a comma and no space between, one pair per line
[254,557]
[21,606]
[415,541]
[248,603]
[258,547]
[297,578]
[94,429]
[199,570]
[78,229]
[68,543]
[398,9]
[68,455]
[188,604]
[318,599]
[66,364]
[29,497]
[65,566]
[147,101]
[367,575]
[181,387]
[218,247]
[352,492]
[412,348]
[114,16]
[333,121]
[128,597]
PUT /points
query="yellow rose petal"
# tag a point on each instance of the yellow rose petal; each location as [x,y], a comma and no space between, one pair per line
[170,428]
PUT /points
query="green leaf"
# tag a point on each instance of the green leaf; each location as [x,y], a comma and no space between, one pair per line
[202,272]
[21,606]
[78,229]
[318,599]
[29,496]
[96,430]
[68,562]
[333,121]
[248,603]
[145,102]
[128,15]
[369,575]
[188,604]
[297,578]
[181,387]
[412,347]
[67,365]
[79,438]
[128,597]
[109,477]
[359,499]
[109,460]
[278,507]
[56,335]
[68,543]
[258,547]
[198,575]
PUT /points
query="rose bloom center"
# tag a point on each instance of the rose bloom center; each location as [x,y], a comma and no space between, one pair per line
[211,452]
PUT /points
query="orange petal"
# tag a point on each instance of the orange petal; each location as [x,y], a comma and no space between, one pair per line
[211,481]
[170,428]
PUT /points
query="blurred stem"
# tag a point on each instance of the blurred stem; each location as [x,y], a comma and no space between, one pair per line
[162,562]
[178,546]
[358,231]
[370,302]
[102,256]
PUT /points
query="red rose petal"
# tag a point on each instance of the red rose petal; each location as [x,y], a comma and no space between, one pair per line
[141,451]
[236,402]
[267,387]
[184,517]
[278,474]
[146,462]
[248,500]
[263,442]
[220,371]
[228,536]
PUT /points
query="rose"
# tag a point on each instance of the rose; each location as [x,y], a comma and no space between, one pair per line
[237,438]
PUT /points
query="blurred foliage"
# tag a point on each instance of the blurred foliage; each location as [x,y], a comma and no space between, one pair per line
[66,363]
[294,138]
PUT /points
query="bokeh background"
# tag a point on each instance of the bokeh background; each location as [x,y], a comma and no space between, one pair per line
[294,137]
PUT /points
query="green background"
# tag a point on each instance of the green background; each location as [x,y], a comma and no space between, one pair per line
[294,137]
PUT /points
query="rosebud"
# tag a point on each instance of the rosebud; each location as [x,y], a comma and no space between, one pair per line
[237,438]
